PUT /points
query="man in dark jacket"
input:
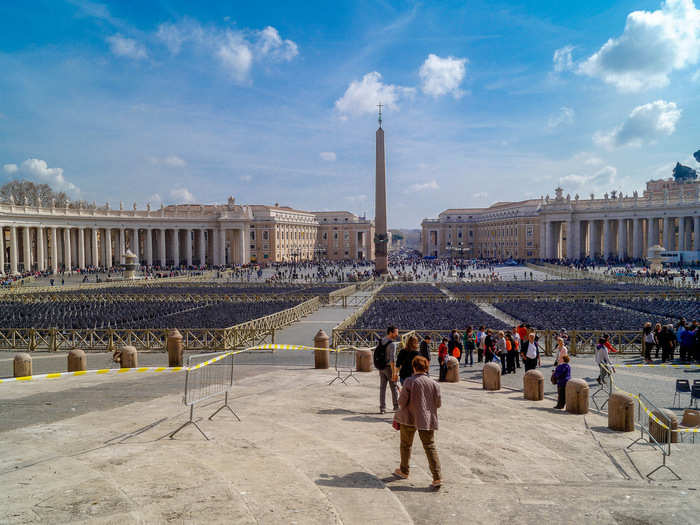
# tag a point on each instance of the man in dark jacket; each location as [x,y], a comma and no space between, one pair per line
[425,347]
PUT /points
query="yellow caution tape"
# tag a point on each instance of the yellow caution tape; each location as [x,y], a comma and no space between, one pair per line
[643,365]
[57,375]
[644,407]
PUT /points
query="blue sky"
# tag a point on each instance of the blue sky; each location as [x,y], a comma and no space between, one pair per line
[485,101]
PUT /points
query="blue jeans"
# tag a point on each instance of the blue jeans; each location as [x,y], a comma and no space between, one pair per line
[469,356]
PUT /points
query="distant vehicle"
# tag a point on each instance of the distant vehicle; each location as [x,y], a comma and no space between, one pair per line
[511,262]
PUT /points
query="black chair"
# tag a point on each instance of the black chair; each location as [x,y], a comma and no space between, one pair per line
[682,387]
[694,395]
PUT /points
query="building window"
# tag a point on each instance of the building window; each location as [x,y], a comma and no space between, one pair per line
[325,236]
[252,236]
[266,235]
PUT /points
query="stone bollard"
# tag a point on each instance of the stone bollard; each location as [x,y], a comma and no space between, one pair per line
[577,396]
[130,357]
[452,375]
[321,356]
[77,360]
[175,347]
[491,378]
[660,433]
[363,359]
[621,412]
[533,385]
[22,365]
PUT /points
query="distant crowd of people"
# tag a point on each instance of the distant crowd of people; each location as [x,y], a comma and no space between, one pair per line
[685,337]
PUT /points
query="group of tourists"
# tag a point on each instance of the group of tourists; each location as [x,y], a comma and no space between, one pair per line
[504,347]
[685,336]
[416,401]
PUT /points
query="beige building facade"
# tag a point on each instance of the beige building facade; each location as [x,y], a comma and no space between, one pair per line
[50,238]
[503,230]
[343,235]
[566,227]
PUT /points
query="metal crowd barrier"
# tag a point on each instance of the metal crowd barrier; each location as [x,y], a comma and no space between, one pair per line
[207,375]
[345,366]
[659,436]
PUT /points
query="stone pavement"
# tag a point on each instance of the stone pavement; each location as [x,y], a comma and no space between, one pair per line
[305,452]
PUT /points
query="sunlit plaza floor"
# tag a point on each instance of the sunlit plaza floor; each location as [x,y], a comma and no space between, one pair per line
[306,452]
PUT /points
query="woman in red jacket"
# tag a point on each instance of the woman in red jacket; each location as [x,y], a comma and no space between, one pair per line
[442,358]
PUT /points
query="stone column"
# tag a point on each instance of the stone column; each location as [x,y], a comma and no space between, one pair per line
[54,250]
[543,240]
[549,239]
[27,245]
[681,234]
[222,246]
[109,262]
[216,253]
[606,238]
[161,247]
[81,248]
[135,243]
[652,232]
[688,242]
[68,258]
[176,247]
[668,233]
[188,246]
[122,246]
[148,247]
[95,249]
[244,245]
[696,233]
[202,249]
[622,238]
[636,237]
[40,254]
[593,238]
[2,250]
[14,256]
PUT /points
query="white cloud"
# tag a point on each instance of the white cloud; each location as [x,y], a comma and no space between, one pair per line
[235,55]
[440,76]
[182,195]
[236,51]
[39,170]
[645,124]
[171,161]
[652,46]
[362,96]
[565,117]
[562,59]
[270,43]
[246,178]
[122,46]
[155,199]
[480,195]
[328,156]
[602,180]
[423,186]
[357,199]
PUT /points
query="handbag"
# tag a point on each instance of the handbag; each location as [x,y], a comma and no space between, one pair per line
[553,379]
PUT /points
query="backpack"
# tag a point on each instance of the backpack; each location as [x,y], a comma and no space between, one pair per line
[379,356]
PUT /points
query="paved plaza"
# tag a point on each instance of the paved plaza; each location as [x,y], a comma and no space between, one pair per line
[305,452]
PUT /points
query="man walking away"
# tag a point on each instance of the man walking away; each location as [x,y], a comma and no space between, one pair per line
[385,362]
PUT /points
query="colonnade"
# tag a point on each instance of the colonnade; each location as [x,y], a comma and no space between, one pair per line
[617,237]
[26,247]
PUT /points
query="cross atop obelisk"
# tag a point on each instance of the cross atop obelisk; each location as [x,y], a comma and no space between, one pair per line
[381,237]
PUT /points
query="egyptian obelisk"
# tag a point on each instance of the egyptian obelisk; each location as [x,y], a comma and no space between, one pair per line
[380,236]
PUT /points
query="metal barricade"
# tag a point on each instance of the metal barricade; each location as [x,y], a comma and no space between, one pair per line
[606,388]
[207,376]
[344,365]
[662,439]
